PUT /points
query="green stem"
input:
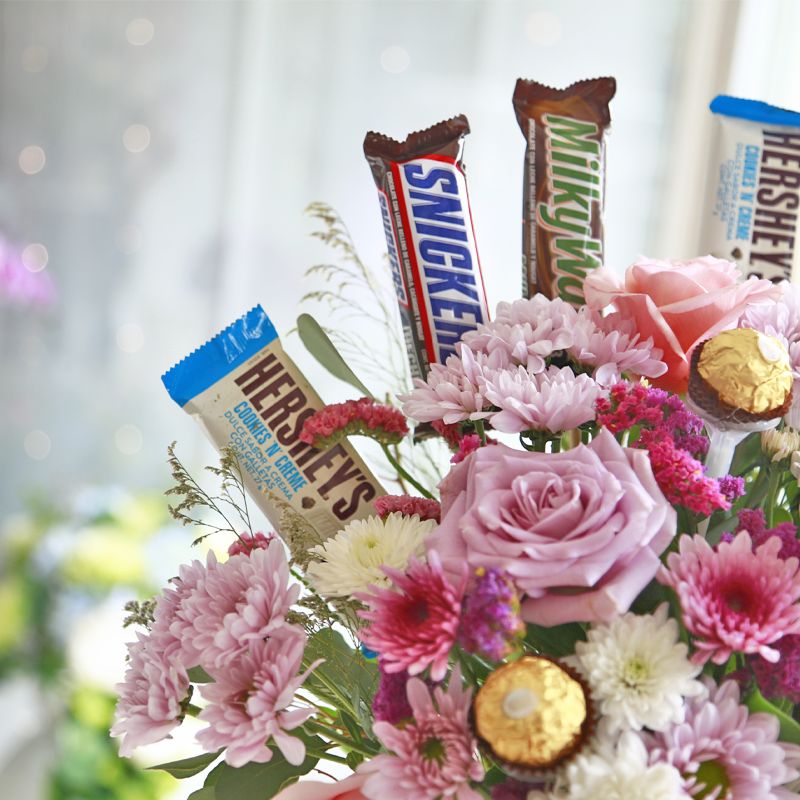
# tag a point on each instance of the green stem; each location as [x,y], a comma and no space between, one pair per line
[772,496]
[480,429]
[327,756]
[335,736]
[401,471]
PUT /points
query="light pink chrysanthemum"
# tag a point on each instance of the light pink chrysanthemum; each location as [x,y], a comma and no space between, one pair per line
[526,332]
[414,624]
[151,697]
[238,602]
[612,346]
[434,756]
[555,401]
[734,600]
[250,701]
[724,752]
[452,392]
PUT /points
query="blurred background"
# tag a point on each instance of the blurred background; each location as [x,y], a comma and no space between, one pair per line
[156,159]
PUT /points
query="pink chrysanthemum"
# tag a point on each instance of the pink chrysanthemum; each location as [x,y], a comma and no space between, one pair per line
[247,542]
[151,698]
[250,701]
[407,505]
[363,417]
[432,757]
[526,332]
[414,624]
[453,391]
[556,400]
[238,602]
[724,752]
[734,600]
[612,347]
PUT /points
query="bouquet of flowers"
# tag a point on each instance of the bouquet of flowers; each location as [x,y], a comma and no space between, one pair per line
[604,604]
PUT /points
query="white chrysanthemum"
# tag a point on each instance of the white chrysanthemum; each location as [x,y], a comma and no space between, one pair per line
[780,444]
[620,772]
[352,559]
[638,671]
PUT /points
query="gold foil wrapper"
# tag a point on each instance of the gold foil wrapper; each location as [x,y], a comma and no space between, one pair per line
[545,726]
[748,370]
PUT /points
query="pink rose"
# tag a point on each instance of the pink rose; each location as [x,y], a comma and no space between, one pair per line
[678,303]
[579,532]
[348,789]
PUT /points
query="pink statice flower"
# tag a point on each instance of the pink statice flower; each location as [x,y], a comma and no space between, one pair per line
[780,680]
[152,696]
[754,522]
[247,542]
[363,417]
[238,602]
[453,391]
[734,600]
[555,401]
[629,405]
[490,621]
[725,752]
[390,703]
[414,624]
[251,697]
[432,757]
[526,332]
[450,433]
[731,487]
[468,445]
[612,347]
[407,505]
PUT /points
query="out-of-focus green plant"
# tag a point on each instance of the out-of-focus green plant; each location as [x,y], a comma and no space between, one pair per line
[51,560]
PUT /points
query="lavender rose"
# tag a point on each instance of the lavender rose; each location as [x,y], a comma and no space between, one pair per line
[579,532]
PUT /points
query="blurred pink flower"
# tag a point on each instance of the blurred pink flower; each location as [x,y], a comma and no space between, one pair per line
[20,286]
[348,789]
[237,602]
[734,600]
[723,751]
[250,701]
[247,542]
[578,532]
[434,756]
[677,304]
[150,699]
[414,624]
[555,400]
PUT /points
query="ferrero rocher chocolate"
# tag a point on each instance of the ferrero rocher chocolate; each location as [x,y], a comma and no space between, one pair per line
[741,375]
[531,713]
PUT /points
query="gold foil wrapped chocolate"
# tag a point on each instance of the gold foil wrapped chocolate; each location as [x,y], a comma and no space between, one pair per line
[531,713]
[741,375]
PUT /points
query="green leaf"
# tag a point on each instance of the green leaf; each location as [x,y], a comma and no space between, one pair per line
[187,767]
[206,793]
[199,675]
[263,781]
[322,348]
[790,728]
[345,674]
[558,640]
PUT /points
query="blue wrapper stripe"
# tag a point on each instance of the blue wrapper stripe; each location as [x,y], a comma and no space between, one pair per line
[755,110]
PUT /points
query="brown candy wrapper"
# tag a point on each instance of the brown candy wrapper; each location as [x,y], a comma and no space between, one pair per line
[427,220]
[564,184]
[247,393]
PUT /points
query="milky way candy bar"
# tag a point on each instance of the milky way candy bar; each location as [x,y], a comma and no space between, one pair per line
[751,214]
[562,196]
[428,224]
[245,391]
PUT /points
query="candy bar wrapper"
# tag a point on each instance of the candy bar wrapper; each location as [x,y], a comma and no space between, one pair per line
[246,392]
[564,184]
[424,203]
[753,193]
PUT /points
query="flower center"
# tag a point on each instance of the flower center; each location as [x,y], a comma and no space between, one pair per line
[634,672]
[432,749]
[738,598]
[712,775]
[417,612]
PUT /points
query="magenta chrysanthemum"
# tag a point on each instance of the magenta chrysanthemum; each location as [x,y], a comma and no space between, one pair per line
[363,417]
[250,701]
[238,602]
[151,698]
[407,505]
[724,752]
[432,757]
[414,624]
[453,391]
[734,600]
[556,400]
